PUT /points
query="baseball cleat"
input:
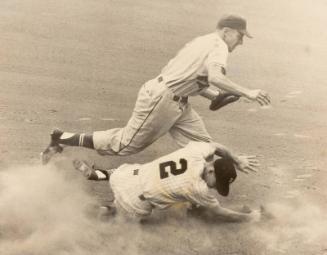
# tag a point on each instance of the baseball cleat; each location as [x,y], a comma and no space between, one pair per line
[53,147]
[107,210]
[85,169]
[92,172]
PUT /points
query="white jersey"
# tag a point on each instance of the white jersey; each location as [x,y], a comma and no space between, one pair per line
[191,64]
[171,179]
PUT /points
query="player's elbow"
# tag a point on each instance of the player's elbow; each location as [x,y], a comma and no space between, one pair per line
[217,80]
[212,80]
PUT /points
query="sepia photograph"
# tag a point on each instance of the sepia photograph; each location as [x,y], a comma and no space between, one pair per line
[163,127]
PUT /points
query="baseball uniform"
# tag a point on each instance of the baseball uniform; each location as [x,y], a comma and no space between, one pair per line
[162,104]
[171,179]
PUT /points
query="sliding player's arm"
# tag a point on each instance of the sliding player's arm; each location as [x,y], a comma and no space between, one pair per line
[242,163]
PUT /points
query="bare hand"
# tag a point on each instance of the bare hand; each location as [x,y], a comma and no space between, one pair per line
[247,163]
[246,209]
[265,214]
[255,216]
[260,96]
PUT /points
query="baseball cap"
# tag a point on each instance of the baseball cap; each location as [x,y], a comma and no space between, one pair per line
[235,22]
[225,174]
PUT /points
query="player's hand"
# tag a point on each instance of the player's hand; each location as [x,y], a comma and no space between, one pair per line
[260,96]
[246,209]
[260,214]
[265,214]
[254,216]
[247,164]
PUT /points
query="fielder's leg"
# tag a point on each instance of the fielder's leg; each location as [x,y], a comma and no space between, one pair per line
[189,127]
[59,139]
[155,112]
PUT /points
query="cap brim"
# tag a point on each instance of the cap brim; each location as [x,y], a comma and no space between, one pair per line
[246,33]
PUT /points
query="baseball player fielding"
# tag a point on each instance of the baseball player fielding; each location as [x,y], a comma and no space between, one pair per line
[162,104]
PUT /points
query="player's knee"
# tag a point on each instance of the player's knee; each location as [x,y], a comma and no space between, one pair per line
[122,149]
[119,152]
[129,150]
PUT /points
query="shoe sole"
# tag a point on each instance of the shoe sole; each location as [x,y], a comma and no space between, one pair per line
[49,152]
[84,168]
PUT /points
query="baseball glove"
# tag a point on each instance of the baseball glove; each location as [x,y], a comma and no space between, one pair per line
[223,99]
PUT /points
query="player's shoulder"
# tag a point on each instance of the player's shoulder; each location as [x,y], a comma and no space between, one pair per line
[203,149]
[206,38]
[219,43]
[200,145]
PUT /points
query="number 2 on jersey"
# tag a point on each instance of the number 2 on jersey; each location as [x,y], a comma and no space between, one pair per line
[171,166]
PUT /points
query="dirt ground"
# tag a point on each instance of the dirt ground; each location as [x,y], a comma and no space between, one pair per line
[78,65]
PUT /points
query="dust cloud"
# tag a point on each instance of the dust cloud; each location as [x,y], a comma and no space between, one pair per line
[300,223]
[46,210]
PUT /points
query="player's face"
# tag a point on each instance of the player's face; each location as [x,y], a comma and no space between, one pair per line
[209,173]
[233,38]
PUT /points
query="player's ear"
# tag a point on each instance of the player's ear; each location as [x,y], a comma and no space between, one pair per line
[225,30]
[211,173]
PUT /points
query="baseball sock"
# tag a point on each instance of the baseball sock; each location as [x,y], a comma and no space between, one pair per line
[72,139]
[97,175]
[102,174]
[92,172]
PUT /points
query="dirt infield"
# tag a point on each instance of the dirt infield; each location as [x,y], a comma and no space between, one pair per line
[78,65]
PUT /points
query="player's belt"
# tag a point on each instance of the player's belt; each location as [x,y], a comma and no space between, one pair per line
[180,99]
[175,98]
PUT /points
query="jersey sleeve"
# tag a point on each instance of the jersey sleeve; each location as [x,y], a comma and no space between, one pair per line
[201,195]
[202,148]
[217,56]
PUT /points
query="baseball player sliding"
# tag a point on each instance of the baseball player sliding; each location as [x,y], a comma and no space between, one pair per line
[162,103]
[187,175]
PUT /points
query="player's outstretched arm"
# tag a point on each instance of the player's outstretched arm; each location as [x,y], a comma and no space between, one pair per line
[243,163]
[224,152]
[234,216]
[216,78]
